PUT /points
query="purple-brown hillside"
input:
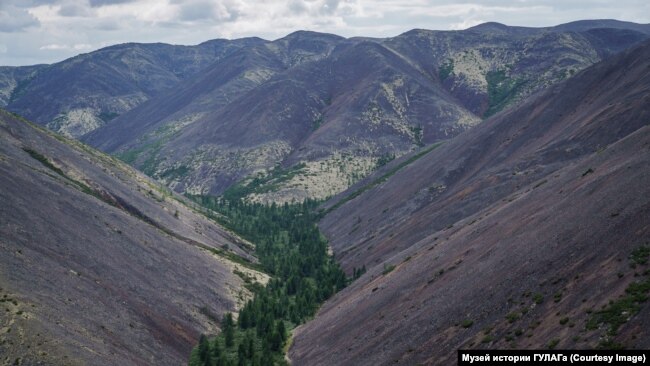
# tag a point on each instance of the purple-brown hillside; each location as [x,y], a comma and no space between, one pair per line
[513,234]
[98,264]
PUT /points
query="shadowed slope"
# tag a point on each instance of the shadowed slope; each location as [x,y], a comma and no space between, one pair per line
[517,233]
[98,265]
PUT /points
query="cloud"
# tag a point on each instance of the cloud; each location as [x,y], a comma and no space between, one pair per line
[14,19]
[208,10]
[57,47]
[98,3]
[75,9]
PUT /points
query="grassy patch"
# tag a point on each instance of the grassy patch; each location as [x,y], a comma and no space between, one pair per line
[557,296]
[620,311]
[388,269]
[553,343]
[512,317]
[487,339]
[640,255]
[45,161]
[467,323]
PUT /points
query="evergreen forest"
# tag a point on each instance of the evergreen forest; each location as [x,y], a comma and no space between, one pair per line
[291,249]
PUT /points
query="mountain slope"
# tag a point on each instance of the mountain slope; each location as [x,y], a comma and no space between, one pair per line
[343,109]
[13,80]
[98,264]
[215,87]
[82,93]
[522,232]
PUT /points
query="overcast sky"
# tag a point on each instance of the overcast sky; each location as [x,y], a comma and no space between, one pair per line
[46,31]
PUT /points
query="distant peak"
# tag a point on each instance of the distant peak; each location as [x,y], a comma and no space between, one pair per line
[490,26]
[311,34]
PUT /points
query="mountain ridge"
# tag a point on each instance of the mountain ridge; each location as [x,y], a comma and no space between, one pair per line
[427,86]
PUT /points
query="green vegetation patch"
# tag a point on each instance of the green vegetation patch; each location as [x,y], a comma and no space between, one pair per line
[150,164]
[317,122]
[512,317]
[45,161]
[640,255]
[618,312]
[501,91]
[553,343]
[161,136]
[78,185]
[467,323]
[446,69]
[388,268]
[384,159]
[418,135]
[263,183]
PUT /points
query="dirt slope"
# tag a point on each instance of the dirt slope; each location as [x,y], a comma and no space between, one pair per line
[522,232]
[98,264]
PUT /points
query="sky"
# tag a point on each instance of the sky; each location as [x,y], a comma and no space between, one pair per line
[47,31]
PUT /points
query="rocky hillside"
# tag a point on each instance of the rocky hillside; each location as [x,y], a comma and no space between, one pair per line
[326,111]
[530,230]
[82,93]
[99,265]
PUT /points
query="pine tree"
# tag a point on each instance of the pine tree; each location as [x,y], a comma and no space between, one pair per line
[241,355]
[229,332]
[282,331]
[204,350]
[216,350]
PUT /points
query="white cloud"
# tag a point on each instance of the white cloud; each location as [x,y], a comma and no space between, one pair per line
[75,47]
[15,19]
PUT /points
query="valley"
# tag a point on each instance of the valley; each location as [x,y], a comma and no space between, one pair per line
[321,200]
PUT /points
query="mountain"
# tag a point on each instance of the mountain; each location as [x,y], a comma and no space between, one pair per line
[85,92]
[14,79]
[528,231]
[584,25]
[99,265]
[326,111]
